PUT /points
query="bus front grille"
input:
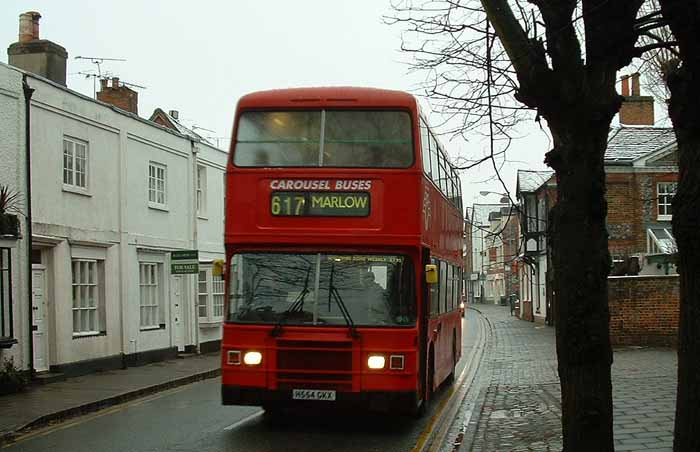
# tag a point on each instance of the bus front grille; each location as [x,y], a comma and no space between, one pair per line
[303,364]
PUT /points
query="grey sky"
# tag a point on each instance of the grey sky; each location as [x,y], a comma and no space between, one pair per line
[199,57]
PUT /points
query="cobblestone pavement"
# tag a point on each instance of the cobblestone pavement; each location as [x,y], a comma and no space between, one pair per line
[518,403]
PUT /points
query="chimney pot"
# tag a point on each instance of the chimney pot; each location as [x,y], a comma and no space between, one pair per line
[626,85]
[103,83]
[115,82]
[174,113]
[635,84]
[29,26]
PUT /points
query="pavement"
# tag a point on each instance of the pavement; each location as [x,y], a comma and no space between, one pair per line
[53,402]
[517,403]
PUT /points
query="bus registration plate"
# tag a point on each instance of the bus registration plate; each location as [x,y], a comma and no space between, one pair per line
[313,394]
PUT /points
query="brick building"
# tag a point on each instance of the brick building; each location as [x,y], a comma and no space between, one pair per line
[641,173]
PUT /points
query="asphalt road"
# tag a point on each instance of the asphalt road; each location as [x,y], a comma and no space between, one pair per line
[191,418]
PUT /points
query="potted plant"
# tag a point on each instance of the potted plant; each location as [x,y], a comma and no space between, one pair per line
[9,208]
[11,379]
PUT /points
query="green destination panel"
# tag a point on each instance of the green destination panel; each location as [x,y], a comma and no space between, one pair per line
[320,204]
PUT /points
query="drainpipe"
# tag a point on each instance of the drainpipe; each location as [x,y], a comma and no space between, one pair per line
[28,91]
[193,203]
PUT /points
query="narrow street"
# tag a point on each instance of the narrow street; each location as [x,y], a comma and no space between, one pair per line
[191,418]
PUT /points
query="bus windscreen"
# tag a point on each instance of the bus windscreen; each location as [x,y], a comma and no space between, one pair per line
[324,138]
[322,289]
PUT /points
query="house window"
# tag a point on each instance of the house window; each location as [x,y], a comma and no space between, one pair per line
[203,294]
[210,301]
[157,185]
[75,163]
[665,191]
[201,190]
[150,294]
[5,294]
[86,295]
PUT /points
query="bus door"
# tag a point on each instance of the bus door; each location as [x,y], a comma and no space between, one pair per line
[423,316]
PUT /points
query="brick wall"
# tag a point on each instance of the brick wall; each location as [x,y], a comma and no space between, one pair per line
[632,204]
[643,310]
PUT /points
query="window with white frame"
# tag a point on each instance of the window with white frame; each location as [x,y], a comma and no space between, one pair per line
[75,163]
[203,294]
[210,302]
[157,185]
[201,190]
[150,294]
[86,297]
[665,192]
[6,327]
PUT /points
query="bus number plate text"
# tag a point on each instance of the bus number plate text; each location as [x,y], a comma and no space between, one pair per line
[319,204]
[313,394]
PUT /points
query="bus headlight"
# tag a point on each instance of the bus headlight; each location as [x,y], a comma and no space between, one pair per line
[376,362]
[252,358]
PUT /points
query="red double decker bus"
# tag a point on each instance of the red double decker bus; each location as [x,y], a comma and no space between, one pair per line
[342,207]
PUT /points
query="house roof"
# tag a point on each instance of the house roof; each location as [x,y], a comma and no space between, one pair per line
[175,124]
[627,144]
[529,181]
[481,213]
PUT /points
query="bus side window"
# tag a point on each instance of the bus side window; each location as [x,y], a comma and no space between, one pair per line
[443,286]
[425,148]
[435,293]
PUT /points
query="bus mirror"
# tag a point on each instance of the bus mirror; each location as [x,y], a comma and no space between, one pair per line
[431,274]
[218,268]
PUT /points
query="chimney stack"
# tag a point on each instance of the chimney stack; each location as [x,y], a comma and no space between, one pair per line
[119,95]
[636,110]
[39,56]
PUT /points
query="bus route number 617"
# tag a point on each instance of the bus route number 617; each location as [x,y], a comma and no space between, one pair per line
[287,205]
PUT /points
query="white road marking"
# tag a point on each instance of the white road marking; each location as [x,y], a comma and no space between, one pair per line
[244,420]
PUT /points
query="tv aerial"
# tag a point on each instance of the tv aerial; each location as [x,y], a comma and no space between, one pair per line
[97,61]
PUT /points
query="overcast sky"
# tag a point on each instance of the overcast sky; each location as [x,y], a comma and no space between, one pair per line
[200,57]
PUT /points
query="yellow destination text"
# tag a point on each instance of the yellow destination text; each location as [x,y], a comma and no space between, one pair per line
[339,201]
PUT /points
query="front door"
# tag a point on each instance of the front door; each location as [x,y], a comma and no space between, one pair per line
[40,321]
[176,313]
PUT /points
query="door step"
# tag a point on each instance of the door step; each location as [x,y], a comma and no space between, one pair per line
[43,378]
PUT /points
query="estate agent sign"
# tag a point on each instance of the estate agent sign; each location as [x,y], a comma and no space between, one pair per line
[184,262]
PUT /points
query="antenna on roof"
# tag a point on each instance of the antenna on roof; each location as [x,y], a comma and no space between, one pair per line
[97,61]
[196,127]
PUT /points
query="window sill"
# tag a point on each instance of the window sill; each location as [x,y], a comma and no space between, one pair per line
[152,328]
[210,323]
[202,217]
[7,342]
[161,207]
[77,190]
[89,334]
[664,218]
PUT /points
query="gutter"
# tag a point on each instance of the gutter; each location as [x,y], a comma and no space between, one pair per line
[28,91]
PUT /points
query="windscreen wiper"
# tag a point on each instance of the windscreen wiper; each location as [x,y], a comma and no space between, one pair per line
[334,294]
[296,307]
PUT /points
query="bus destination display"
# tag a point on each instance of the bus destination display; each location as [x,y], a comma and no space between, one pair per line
[319,204]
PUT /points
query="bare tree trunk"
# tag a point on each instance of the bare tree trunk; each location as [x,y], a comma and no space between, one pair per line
[580,256]
[684,108]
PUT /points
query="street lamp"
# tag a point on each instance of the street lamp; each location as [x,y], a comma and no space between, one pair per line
[505,197]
